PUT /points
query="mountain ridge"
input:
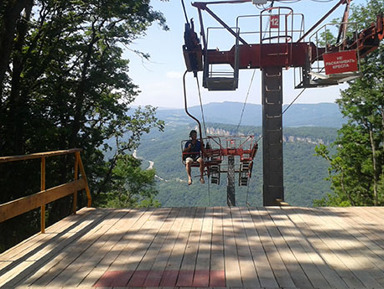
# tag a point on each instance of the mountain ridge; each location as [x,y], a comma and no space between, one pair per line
[297,115]
[304,173]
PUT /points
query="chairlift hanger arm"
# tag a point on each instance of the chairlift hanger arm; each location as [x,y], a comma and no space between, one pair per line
[186,106]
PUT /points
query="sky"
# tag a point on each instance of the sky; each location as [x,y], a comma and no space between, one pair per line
[160,78]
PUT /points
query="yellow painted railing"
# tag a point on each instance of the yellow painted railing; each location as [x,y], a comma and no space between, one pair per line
[45,196]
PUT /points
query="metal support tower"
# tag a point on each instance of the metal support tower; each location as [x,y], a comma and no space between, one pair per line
[231,198]
[272,99]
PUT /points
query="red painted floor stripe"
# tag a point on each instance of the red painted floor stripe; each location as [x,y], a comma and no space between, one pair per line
[122,279]
[169,278]
[107,278]
[153,278]
[185,278]
[201,278]
[114,279]
[138,278]
[217,278]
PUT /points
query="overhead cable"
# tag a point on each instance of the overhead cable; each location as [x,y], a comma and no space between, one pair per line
[294,100]
[185,11]
[245,102]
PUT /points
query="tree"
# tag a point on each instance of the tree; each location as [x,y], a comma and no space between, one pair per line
[11,13]
[356,170]
[65,84]
[131,186]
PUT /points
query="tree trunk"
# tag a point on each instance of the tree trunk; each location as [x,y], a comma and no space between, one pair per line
[80,93]
[17,102]
[10,14]
[374,164]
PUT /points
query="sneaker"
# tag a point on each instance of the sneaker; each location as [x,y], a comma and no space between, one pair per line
[202,180]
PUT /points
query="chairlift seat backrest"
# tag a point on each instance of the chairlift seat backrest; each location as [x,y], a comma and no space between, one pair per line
[221,83]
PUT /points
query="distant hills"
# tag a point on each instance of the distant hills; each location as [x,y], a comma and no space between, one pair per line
[298,115]
[305,126]
[304,173]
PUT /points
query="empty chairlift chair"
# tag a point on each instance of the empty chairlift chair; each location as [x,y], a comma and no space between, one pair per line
[219,76]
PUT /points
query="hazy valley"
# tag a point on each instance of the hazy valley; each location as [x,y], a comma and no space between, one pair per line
[305,126]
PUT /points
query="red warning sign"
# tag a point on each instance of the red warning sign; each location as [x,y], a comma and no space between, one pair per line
[340,62]
[274,21]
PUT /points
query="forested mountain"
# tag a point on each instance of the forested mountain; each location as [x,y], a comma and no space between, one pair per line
[321,114]
[304,173]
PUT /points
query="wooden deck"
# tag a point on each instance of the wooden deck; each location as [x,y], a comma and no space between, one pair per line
[286,247]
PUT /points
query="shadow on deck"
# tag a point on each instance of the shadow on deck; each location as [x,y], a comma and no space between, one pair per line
[273,247]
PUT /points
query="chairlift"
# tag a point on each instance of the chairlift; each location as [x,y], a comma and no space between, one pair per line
[243,147]
[281,44]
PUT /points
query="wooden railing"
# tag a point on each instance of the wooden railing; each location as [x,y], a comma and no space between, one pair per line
[45,196]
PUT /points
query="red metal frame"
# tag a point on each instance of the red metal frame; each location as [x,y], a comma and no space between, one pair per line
[261,55]
[264,55]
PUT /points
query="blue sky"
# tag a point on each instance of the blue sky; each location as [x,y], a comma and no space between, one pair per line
[160,78]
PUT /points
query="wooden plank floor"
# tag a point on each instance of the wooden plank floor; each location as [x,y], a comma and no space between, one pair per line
[288,247]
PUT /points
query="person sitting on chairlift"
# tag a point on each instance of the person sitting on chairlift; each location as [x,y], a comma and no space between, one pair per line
[192,153]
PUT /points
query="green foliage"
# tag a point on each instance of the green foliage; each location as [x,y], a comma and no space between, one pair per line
[366,13]
[326,38]
[356,168]
[130,187]
[66,85]
[69,86]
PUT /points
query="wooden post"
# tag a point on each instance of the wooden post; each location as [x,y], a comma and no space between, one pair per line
[82,171]
[77,156]
[42,188]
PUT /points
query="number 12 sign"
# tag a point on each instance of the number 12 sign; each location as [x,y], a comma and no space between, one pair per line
[274,21]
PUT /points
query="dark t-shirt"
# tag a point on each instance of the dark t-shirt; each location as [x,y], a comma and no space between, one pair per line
[195,150]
